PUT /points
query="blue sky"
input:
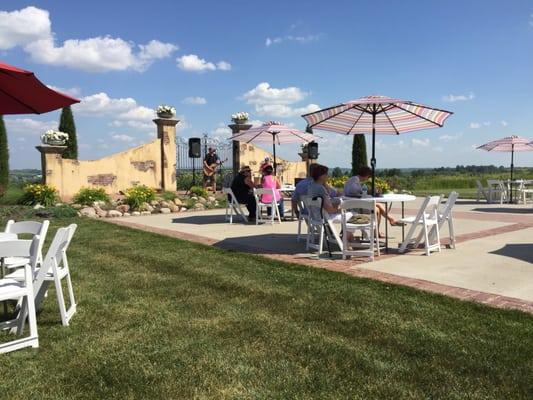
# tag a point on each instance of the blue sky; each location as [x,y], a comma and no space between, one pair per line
[277,60]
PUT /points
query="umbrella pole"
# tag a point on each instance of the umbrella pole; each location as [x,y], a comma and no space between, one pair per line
[274,154]
[373,159]
[512,168]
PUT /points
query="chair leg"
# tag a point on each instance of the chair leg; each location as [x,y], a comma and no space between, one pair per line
[60,299]
[320,240]
[410,234]
[426,239]
[452,232]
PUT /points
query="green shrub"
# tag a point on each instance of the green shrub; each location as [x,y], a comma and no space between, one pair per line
[37,193]
[63,211]
[138,195]
[87,196]
[168,196]
[198,191]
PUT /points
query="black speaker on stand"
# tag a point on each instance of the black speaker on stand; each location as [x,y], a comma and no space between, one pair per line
[312,150]
[195,151]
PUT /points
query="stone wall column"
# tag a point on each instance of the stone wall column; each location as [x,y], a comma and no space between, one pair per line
[166,133]
[51,165]
[236,128]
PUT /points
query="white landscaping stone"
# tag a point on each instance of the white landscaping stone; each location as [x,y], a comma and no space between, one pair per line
[178,202]
[113,214]
[88,212]
[136,213]
[211,199]
[146,213]
[201,200]
[164,210]
[126,214]
[183,209]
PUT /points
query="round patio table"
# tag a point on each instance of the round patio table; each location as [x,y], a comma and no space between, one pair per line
[388,199]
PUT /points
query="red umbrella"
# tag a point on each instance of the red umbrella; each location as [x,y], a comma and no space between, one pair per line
[22,93]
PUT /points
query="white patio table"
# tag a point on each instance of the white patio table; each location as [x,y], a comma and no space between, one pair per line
[388,199]
[287,191]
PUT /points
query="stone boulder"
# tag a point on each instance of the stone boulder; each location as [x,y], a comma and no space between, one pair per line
[123,208]
[146,213]
[126,214]
[202,201]
[174,208]
[147,207]
[178,202]
[211,199]
[76,206]
[135,213]
[164,210]
[154,203]
[89,212]
[199,206]
[101,213]
[164,204]
[113,214]
[182,209]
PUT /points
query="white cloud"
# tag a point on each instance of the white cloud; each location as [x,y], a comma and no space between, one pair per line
[102,104]
[291,38]
[73,91]
[504,123]
[20,27]
[120,137]
[263,93]
[193,63]
[277,103]
[452,98]
[450,138]
[30,28]
[475,125]
[420,142]
[28,126]
[284,111]
[195,100]
[486,123]
[139,113]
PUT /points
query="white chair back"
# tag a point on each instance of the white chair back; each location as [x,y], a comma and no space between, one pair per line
[259,193]
[31,228]
[20,248]
[54,255]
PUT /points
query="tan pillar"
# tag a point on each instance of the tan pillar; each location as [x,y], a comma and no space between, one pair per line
[166,133]
[236,128]
[52,165]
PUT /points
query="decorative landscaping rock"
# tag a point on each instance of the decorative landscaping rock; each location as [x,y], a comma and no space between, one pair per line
[174,208]
[123,208]
[101,213]
[113,214]
[98,203]
[37,207]
[76,206]
[126,214]
[194,198]
[164,204]
[146,213]
[199,206]
[147,207]
[164,210]
[211,199]
[154,203]
[136,213]
[88,212]
[182,209]
[201,200]
[178,202]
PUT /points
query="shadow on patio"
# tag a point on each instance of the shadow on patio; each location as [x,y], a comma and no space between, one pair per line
[520,251]
[505,210]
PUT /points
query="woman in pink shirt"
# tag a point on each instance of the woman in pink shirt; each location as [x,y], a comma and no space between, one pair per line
[271,182]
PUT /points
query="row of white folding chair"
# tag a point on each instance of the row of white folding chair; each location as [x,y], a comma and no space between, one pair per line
[262,206]
[55,268]
[233,206]
[303,216]
[22,291]
[33,228]
[322,229]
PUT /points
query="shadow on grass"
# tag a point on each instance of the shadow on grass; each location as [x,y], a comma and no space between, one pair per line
[520,251]
[275,243]
[202,219]
[505,210]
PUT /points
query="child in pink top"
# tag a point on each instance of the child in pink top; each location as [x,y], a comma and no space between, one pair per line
[271,182]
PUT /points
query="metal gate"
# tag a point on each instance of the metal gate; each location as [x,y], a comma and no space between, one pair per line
[189,170]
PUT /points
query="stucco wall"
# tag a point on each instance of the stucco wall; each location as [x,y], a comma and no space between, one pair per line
[252,156]
[152,164]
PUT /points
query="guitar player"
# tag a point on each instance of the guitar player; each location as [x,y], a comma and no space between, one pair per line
[211,161]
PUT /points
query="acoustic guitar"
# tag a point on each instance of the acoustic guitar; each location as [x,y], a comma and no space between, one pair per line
[213,168]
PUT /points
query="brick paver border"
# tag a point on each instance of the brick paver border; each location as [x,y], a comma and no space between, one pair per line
[349,267]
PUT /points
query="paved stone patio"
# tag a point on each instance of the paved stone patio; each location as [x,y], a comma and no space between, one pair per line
[493,262]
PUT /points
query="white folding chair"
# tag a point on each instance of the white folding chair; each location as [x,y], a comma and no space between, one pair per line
[445,215]
[233,206]
[55,268]
[321,228]
[262,206]
[482,191]
[426,218]
[525,190]
[33,228]
[368,230]
[20,290]
[303,216]
[497,190]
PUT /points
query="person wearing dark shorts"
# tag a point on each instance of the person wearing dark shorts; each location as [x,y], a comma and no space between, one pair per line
[211,161]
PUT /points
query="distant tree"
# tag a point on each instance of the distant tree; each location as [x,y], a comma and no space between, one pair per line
[66,124]
[337,173]
[359,157]
[4,158]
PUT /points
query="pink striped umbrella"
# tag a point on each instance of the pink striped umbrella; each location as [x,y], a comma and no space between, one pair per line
[509,144]
[376,115]
[275,133]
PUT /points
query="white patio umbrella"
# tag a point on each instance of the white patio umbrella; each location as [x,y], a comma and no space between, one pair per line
[275,133]
[509,144]
[376,115]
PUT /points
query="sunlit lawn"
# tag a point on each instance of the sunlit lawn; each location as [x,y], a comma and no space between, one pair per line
[160,318]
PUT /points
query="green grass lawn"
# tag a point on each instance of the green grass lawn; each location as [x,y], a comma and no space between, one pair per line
[160,318]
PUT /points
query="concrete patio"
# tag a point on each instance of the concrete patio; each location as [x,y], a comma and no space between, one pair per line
[493,262]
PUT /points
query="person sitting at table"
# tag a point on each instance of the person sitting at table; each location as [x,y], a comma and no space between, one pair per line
[241,187]
[301,189]
[319,188]
[353,188]
[269,181]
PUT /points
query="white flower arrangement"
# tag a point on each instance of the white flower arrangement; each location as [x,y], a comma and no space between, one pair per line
[164,109]
[52,136]
[240,116]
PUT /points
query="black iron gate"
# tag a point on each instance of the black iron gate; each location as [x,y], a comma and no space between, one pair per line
[189,170]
